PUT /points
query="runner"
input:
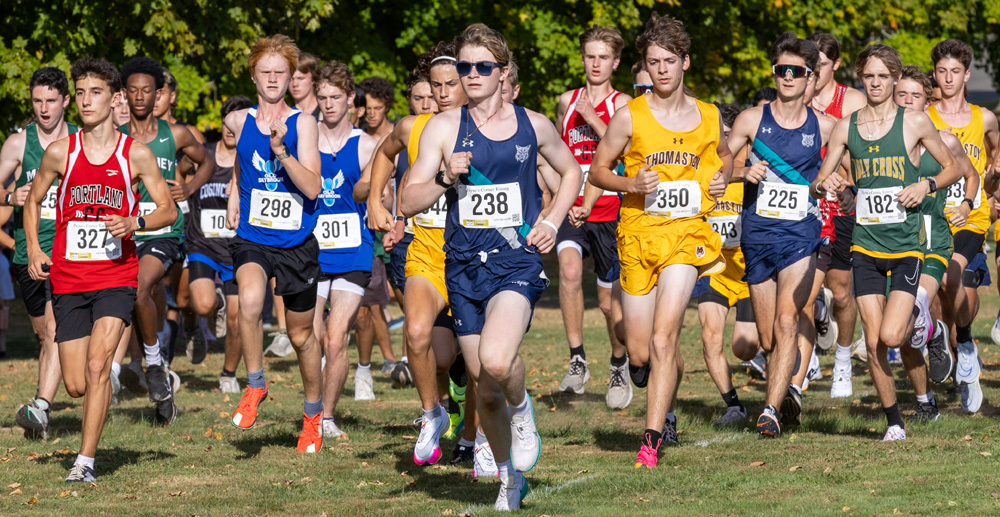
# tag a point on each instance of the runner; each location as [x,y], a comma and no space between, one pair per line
[676,162]
[490,241]
[781,224]
[977,128]
[302,87]
[276,147]
[886,240]
[590,228]
[158,250]
[379,97]
[94,263]
[20,156]
[207,243]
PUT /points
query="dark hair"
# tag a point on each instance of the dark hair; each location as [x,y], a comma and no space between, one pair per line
[169,79]
[729,112]
[764,94]
[952,48]
[637,67]
[359,97]
[309,64]
[426,60]
[235,103]
[479,35]
[913,73]
[412,80]
[609,35]
[379,88]
[827,44]
[336,74]
[666,32]
[52,77]
[512,73]
[884,53]
[143,66]
[99,68]
[789,43]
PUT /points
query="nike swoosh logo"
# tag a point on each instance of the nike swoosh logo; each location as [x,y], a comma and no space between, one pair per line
[964,371]
[916,273]
[164,139]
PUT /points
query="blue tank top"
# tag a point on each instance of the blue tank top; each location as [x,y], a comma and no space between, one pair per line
[402,165]
[509,164]
[340,173]
[793,157]
[260,171]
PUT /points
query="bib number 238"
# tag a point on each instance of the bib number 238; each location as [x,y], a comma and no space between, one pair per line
[490,206]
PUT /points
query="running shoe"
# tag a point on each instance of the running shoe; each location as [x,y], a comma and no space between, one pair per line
[639,377]
[648,453]
[968,368]
[828,340]
[525,442]
[363,384]
[972,396]
[387,366]
[484,465]
[895,358]
[669,433]
[245,416]
[995,331]
[159,382]
[463,455]
[456,419]
[456,392]
[217,321]
[427,450]
[576,376]
[734,415]
[116,388]
[196,348]
[229,384]
[767,424]
[619,394]
[842,386]
[859,349]
[81,474]
[280,345]
[757,366]
[175,380]
[894,433]
[311,437]
[512,492]
[134,378]
[33,419]
[401,375]
[940,362]
[923,327]
[926,412]
[826,327]
[330,429]
[814,373]
[166,412]
[791,408]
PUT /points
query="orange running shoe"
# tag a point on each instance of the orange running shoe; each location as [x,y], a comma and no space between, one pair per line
[311,439]
[245,416]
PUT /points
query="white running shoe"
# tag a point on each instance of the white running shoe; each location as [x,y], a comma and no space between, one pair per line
[826,326]
[967,370]
[814,373]
[972,396]
[525,442]
[512,492]
[330,429]
[842,386]
[229,385]
[116,388]
[218,320]
[484,465]
[619,394]
[363,384]
[427,450]
[923,327]
[576,376]
[859,349]
[894,433]
[33,419]
[995,331]
[280,345]
[175,381]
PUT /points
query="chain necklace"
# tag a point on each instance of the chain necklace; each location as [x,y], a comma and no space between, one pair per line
[868,122]
[334,150]
[965,107]
[465,141]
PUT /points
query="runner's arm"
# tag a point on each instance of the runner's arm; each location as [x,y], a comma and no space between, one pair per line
[959,214]
[739,141]
[828,180]
[720,180]
[611,147]
[142,162]
[560,158]
[930,138]
[194,151]
[304,171]
[420,191]
[10,161]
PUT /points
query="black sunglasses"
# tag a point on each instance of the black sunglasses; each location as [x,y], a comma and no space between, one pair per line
[797,71]
[640,89]
[464,68]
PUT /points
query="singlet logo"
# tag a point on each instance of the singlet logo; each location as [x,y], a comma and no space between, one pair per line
[674,158]
[268,169]
[583,133]
[725,205]
[884,166]
[212,190]
[808,140]
[30,175]
[522,153]
[96,194]
[765,130]
[330,186]
[972,151]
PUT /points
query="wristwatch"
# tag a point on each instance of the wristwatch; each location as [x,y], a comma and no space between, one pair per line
[932,184]
[140,222]
[284,154]
[969,201]
[439,179]
[400,218]
[6,199]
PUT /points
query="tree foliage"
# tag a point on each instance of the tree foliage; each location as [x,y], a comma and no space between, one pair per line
[205,42]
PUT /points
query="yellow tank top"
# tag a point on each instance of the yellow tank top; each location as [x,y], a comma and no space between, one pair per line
[432,238]
[725,220]
[414,142]
[973,138]
[675,155]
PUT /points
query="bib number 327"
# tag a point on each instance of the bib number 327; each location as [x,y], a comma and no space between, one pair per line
[91,240]
[675,199]
[879,206]
[490,206]
[275,210]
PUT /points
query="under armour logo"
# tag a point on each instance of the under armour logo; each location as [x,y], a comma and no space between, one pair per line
[766,130]
[679,141]
[467,143]
[871,147]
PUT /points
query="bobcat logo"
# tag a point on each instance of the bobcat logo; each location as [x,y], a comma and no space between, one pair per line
[268,170]
[522,153]
[699,251]
[808,140]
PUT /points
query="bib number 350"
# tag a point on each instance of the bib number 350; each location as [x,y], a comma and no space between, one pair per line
[275,210]
[490,206]
[675,199]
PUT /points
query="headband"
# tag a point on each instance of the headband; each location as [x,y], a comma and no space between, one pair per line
[442,58]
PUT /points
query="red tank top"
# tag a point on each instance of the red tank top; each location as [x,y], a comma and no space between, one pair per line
[836,107]
[582,140]
[829,207]
[85,257]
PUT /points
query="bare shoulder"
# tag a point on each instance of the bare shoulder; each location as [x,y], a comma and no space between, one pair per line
[989,118]
[951,141]
[305,119]
[622,100]
[140,152]
[565,98]
[366,144]
[57,150]
[537,119]
[749,119]
[15,142]
[234,120]
[853,101]
[181,133]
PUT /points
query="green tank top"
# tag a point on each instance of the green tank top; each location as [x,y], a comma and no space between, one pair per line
[937,233]
[881,168]
[30,161]
[165,149]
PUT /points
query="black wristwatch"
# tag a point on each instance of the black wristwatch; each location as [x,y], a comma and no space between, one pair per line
[400,218]
[439,179]
[6,199]
[141,222]
[969,201]
[933,184]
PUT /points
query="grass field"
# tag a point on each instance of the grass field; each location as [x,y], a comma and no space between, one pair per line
[834,463]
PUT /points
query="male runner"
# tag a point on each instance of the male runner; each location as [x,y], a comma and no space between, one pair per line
[676,162]
[883,141]
[379,97]
[493,237]
[272,212]
[21,155]
[94,263]
[584,114]
[158,250]
[302,87]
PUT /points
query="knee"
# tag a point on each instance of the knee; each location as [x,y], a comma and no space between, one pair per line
[570,273]
[95,370]
[498,370]
[75,389]
[334,343]
[417,335]
[444,359]
[842,298]
[743,350]
[250,307]
[202,306]
[785,324]
[892,338]
[664,346]
[605,304]
[300,336]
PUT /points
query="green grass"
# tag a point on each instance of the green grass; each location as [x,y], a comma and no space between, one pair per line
[834,463]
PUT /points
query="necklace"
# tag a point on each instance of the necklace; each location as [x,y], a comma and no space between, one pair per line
[465,141]
[872,121]
[965,107]
[334,150]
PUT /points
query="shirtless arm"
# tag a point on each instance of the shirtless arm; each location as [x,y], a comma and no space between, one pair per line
[376,175]
[420,191]
[740,140]
[10,163]
[560,158]
[930,138]
[51,168]
[180,190]
[144,169]
[828,180]
[717,187]
[613,146]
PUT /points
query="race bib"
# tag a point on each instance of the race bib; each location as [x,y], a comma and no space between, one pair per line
[91,240]
[729,227]
[48,208]
[956,193]
[408,225]
[184,207]
[586,173]
[675,199]
[145,209]
[213,224]
[338,231]
[490,206]
[879,206]
[435,216]
[275,210]
[776,200]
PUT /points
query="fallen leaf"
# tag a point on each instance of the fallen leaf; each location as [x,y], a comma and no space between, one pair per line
[404,474]
[643,499]
[449,511]
[364,463]
[208,433]
[794,468]
[952,503]
[744,388]
[65,451]
[57,440]
[218,435]
[64,493]
[223,414]
[846,508]
[361,484]
[209,448]
[412,484]
[986,454]
[757,464]
[74,494]
[343,438]
[226,399]
[584,471]
[409,437]
[827,470]
[306,479]
[16,492]
[14,485]
[33,500]
[966,438]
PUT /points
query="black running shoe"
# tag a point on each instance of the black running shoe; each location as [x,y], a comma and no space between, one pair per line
[669,433]
[463,455]
[791,408]
[639,377]
[158,381]
[166,412]
[939,358]
[926,412]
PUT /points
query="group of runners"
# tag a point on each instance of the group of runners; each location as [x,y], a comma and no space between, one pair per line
[818,203]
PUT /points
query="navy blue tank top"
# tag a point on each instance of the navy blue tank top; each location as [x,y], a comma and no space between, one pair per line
[345,241]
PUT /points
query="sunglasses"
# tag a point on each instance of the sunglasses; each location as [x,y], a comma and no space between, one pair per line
[797,71]
[640,89]
[484,68]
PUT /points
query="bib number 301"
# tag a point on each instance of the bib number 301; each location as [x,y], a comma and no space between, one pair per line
[782,201]
[338,231]
[275,210]
[879,206]
[675,199]
[490,206]
[91,240]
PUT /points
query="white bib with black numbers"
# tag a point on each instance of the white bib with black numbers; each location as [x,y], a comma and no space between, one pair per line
[213,224]
[956,193]
[491,206]
[434,217]
[785,201]
[879,206]
[675,199]
[91,240]
[729,227]
[146,208]
[275,210]
[338,231]
[48,208]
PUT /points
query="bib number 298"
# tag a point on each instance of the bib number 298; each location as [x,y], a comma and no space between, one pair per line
[275,210]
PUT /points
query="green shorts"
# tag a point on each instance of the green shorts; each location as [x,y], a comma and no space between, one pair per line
[936,263]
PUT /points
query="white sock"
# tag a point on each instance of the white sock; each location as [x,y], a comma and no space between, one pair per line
[797,388]
[465,443]
[504,469]
[365,366]
[843,355]
[671,418]
[923,398]
[403,360]
[116,369]
[524,406]
[84,460]
[480,437]
[152,354]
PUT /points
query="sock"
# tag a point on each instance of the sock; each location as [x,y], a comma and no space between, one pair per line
[771,410]
[923,398]
[963,334]
[328,419]
[84,460]
[256,379]
[227,373]
[652,438]
[312,409]
[42,404]
[618,362]
[403,360]
[153,357]
[731,398]
[639,375]
[480,437]
[116,369]
[578,351]
[282,331]
[843,355]
[671,418]
[524,406]
[797,388]
[892,415]
[504,469]
[431,414]
[465,443]
[365,366]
